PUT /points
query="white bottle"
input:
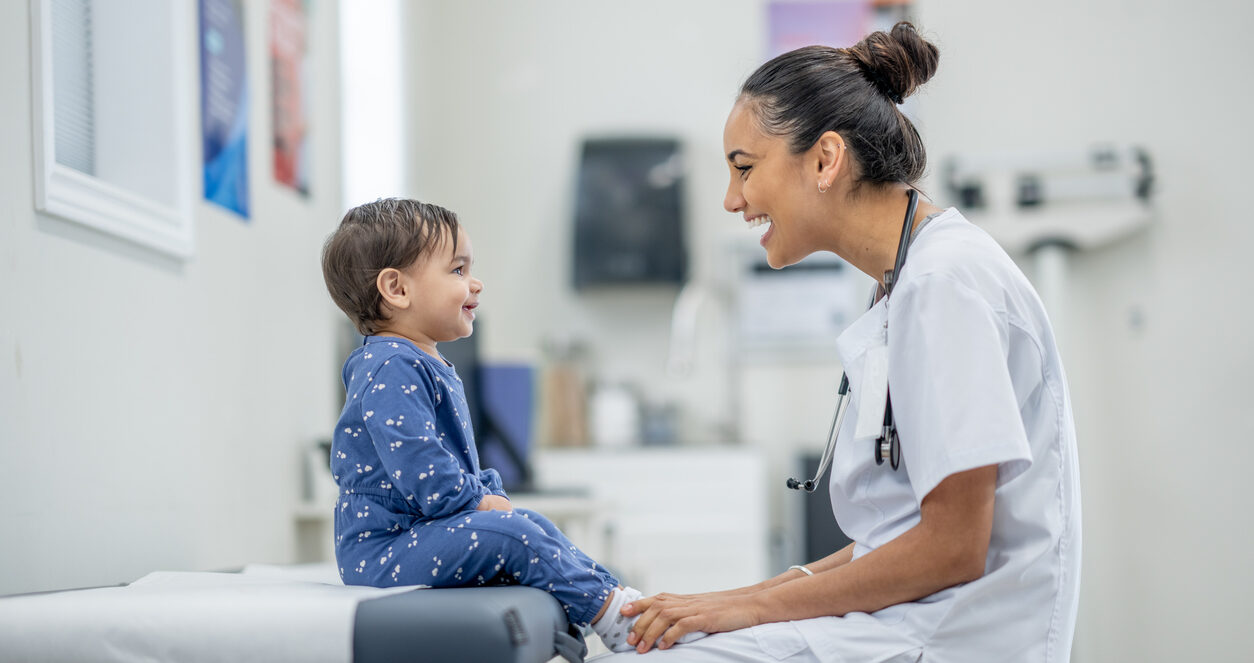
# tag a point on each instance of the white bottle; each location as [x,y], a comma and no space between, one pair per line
[615,416]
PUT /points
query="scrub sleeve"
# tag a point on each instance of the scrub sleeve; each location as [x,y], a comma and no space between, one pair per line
[963,414]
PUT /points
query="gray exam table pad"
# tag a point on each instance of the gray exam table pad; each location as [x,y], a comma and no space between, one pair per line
[284,614]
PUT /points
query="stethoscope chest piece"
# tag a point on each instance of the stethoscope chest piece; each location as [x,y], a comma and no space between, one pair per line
[888,448]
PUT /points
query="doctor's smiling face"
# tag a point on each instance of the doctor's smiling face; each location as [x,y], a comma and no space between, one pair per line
[771,185]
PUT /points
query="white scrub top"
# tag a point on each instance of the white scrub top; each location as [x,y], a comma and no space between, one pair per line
[975,380]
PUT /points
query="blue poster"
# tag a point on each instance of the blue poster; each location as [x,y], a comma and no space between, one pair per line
[224,104]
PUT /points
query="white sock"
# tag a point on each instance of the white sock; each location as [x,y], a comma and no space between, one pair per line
[613,627]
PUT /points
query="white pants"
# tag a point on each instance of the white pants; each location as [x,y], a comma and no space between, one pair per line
[852,639]
[779,641]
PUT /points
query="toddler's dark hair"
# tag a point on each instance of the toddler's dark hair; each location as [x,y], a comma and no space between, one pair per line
[390,232]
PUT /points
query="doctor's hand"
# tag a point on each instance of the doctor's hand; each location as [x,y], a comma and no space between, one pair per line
[494,503]
[671,616]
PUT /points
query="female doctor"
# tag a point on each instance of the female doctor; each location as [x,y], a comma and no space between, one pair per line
[969,550]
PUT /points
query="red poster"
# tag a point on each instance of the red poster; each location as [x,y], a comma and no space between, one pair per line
[289,30]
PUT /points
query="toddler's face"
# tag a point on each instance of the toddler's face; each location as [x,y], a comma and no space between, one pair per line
[446,295]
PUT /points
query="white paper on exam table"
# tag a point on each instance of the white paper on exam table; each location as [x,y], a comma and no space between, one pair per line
[258,615]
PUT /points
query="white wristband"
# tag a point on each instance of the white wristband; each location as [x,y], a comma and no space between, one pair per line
[802,569]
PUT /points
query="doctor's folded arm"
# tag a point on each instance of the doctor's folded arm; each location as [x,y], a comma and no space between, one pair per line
[953,465]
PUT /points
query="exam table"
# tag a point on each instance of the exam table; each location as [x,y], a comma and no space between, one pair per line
[276,613]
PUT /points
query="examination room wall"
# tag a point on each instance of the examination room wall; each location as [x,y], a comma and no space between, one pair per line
[152,410]
[1154,342]
[504,93]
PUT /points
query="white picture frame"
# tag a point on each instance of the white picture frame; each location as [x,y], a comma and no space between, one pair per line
[147,98]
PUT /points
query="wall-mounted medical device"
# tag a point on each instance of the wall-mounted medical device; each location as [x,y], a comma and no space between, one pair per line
[1080,199]
[798,309]
[629,221]
[793,313]
[1046,206]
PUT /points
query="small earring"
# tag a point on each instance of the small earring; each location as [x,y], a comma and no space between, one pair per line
[821,189]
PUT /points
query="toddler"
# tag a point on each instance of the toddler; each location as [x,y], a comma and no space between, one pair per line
[415,507]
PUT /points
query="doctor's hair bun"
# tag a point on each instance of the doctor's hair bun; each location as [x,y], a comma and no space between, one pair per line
[804,93]
[896,62]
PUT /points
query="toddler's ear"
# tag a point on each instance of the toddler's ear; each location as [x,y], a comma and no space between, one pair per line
[391,284]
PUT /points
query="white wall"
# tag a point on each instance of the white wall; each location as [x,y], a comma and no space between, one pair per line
[1159,371]
[152,412]
[503,93]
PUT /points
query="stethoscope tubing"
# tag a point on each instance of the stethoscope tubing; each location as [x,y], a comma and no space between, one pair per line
[825,461]
[888,437]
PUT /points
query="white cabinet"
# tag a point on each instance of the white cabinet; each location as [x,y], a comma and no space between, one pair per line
[680,519]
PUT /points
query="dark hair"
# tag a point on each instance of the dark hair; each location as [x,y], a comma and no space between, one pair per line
[390,232]
[853,91]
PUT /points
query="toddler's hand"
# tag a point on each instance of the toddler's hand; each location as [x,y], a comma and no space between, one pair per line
[494,503]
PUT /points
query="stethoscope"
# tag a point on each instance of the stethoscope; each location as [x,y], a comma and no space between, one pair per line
[887,446]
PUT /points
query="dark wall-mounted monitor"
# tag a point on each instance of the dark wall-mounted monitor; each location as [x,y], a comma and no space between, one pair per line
[629,213]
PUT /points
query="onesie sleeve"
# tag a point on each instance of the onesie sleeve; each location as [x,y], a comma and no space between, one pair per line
[491,480]
[949,381]
[399,410]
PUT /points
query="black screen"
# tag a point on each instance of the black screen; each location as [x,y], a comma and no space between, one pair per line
[628,213]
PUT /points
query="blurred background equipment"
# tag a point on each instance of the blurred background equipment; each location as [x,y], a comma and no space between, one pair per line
[1047,205]
[564,394]
[1079,199]
[629,225]
[499,397]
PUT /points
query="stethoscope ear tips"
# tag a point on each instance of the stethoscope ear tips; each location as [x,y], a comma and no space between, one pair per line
[807,486]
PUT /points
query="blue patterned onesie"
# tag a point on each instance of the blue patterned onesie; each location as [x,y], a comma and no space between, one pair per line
[404,457]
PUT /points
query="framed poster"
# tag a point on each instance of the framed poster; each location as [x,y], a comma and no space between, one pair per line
[838,23]
[224,104]
[289,66]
